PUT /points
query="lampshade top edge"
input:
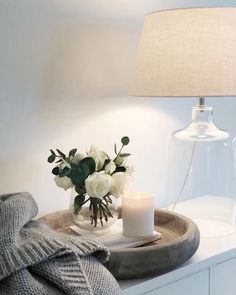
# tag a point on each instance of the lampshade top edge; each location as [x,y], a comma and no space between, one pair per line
[181,96]
[190,8]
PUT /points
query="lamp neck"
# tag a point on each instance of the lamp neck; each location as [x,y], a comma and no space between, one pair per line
[202,112]
[201,101]
[202,127]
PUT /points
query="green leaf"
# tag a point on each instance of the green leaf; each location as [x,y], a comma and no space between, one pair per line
[78,202]
[64,172]
[72,152]
[51,158]
[124,155]
[107,161]
[59,161]
[74,166]
[125,140]
[80,189]
[115,148]
[61,154]
[79,173]
[119,169]
[52,152]
[90,163]
[55,171]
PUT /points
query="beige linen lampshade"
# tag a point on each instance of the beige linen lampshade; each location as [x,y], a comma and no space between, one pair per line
[187,52]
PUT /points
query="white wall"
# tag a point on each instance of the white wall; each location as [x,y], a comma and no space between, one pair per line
[65,70]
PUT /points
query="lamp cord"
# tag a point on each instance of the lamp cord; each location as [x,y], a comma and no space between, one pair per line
[187,175]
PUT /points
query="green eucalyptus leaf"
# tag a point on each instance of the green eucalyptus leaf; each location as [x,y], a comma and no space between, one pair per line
[119,169]
[125,140]
[115,148]
[61,154]
[78,203]
[90,163]
[80,189]
[64,172]
[59,161]
[52,152]
[79,173]
[51,158]
[72,152]
[124,155]
[55,171]
[74,166]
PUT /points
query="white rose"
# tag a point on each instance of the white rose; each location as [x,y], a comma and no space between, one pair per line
[77,158]
[122,184]
[63,182]
[99,158]
[98,184]
[110,167]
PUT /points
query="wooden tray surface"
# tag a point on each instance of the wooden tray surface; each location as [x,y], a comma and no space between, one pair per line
[179,241]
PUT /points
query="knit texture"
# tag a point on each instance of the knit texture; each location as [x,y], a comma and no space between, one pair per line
[35,260]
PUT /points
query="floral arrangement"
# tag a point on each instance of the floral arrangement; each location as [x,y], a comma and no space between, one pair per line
[94,176]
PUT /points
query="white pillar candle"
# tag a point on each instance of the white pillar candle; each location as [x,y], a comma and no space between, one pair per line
[138,214]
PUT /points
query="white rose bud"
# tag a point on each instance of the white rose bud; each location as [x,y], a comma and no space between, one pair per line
[120,160]
[98,184]
[99,158]
[110,167]
[63,164]
[77,158]
[122,184]
[63,182]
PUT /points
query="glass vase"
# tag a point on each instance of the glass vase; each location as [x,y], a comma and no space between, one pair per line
[107,213]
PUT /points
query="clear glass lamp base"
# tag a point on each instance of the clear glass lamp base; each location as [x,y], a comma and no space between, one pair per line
[211,214]
[201,179]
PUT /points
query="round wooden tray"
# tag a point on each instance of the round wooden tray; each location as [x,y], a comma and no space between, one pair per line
[179,241]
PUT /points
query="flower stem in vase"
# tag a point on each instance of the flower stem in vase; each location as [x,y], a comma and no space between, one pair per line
[100,215]
[95,211]
[106,209]
[104,213]
[99,210]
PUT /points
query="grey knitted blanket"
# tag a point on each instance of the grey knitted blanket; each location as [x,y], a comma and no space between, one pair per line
[35,260]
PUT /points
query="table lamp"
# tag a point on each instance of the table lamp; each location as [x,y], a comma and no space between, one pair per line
[192,53]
